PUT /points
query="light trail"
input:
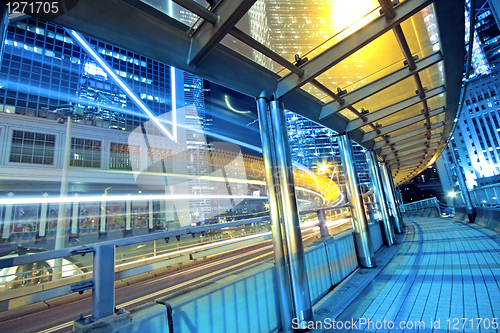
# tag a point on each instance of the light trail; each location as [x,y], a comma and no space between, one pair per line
[83,43]
[194,269]
[100,198]
[200,247]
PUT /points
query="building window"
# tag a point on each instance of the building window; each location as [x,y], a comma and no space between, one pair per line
[85,153]
[119,156]
[28,147]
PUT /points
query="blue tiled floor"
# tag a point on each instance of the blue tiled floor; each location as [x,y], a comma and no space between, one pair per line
[444,271]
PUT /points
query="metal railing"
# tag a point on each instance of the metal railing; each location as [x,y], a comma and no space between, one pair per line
[103,276]
[423,204]
[485,196]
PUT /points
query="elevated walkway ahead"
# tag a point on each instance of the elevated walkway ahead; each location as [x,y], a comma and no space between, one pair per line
[444,271]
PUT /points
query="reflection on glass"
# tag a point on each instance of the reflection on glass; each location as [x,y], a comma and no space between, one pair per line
[395,93]
[307,29]
[176,11]
[126,177]
[365,65]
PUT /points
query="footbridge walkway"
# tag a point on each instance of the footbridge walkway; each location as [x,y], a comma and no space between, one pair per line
[443,277]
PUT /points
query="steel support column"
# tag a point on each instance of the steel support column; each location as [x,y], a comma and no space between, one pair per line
[371,160]
[463,187]
[390,198]
[287,239]
[396,198]
[363,242]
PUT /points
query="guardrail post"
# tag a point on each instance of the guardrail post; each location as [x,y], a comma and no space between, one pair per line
[363,241]
[63,206]
[323,229]
[438,206]
[103,295]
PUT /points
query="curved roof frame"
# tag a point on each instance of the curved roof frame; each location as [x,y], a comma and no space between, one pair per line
[407,142]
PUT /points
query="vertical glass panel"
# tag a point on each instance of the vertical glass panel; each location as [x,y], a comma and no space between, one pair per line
[421,32]
[127,176]
[395,93]
[318,173]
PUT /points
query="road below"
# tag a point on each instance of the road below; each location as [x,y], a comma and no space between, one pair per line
[60,318]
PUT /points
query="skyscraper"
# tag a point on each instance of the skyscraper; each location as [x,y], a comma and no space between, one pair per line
[475,141]
[43,68]
[317,148]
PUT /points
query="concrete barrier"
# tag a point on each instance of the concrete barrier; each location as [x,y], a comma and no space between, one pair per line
[376,235]
[318,271]
[244,301]
[149,317]
[461,214]
[247,299]
[488,218]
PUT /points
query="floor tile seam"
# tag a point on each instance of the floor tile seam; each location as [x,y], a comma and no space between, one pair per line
[404,298]
[385,266]
[359,289]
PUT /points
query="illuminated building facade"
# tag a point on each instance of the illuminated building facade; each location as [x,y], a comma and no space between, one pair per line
[43,67]
[476,139]
[313,145]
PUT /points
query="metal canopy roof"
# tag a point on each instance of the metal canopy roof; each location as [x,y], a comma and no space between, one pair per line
[387,73]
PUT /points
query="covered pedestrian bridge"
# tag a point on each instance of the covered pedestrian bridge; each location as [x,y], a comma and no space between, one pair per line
[386,75]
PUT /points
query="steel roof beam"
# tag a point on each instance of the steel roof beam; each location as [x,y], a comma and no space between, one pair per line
[245,38]
[349,45]
[399,125]
[411,158]
[404,152]
[410,144]
[380,84]
[409,135]
[207,36]
[199,10]
[420,136]
[394,108]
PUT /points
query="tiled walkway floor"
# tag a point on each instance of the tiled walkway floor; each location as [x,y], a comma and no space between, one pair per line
[444,271]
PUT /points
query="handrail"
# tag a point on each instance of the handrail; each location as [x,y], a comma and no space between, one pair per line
[71,251]
[423,204]
[80,286]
